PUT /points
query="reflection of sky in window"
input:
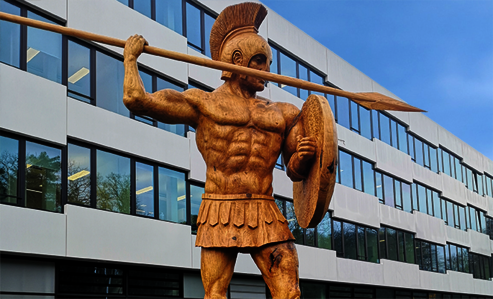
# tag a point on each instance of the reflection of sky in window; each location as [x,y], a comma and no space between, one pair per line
[36,150]
[143,6]
[144,189]
[169,13]
[79,156]
[10,35]
[193,25]
[109,84]
[195,198]
[208,21]
[288,68]
[108,163]
[9,145]
[79,68]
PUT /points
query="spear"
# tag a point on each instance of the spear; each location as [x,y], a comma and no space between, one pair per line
[370,100]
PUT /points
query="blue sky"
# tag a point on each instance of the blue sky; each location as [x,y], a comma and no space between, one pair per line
[434,54]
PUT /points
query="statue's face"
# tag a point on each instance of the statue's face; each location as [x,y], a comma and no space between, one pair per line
[258,62]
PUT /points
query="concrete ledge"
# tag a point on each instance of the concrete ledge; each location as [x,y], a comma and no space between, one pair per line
[429,228]
[434,281]
[427,177]
[477,200]
[356,144]
[57,8]
[358,272]
[317,263]
[205,75]
[397,218]
[198,169]
[472,157]
[458,236]
[400,275]
[450,141]
[480,243]
[461,282]
[346,76]
[453,189]
[393,161]
[278,94]
[424,127]
[282,184]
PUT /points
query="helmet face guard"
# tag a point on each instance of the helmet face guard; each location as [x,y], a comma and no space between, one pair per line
[249,45]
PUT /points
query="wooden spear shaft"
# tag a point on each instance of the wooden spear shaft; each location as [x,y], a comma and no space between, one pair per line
[370,100]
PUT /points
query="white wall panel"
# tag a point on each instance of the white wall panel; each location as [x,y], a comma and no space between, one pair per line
[427,177]
[477,200]
[57,8]
[461,282]
[355,206]
[32,231]
[195,253]
[282,184]
[204,75]
[246,265]
[277,94]
[87,15]
[480,243]
[109,129]
[433,281]
[344,75]
[355,143]
[317,263]
[103,235]
[353,271]
[198,169]
[488,166]
[397,218]
[483,287]
[450,141]
[453,189]
[430,228]
[424,127]
[38,111]
[472,157]
[393,161]
[296,41]
[400,115]
[399,274]
[490,206]
[458,236]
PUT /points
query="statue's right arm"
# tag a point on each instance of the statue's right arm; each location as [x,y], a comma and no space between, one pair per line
[168,106]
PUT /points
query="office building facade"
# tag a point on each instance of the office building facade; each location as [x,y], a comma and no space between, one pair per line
[96,202]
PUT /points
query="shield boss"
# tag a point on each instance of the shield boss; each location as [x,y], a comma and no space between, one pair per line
[312,196]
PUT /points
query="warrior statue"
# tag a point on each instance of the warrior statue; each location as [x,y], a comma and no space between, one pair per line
[240,136]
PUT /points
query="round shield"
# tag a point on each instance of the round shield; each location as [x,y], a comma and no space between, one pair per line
[312,196]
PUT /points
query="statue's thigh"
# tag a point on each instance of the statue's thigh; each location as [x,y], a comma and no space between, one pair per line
[279,266]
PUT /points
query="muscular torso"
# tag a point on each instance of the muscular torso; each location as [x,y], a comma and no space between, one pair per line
[240,140]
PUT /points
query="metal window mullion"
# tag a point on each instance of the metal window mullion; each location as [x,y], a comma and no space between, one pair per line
[153,10]
[155,169]
[23,42]
[133,178]
[202,32]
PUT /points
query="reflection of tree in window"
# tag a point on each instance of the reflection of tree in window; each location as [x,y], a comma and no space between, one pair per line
[43,181]
[144,186]
[293,223]
[79,178]
[195,201]
[172,196]
[324,232]
[9,166]
[113,183]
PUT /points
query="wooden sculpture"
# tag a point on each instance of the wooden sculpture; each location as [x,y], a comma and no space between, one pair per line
[240,135]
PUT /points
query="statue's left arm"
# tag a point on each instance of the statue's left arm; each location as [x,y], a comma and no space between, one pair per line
[298,150]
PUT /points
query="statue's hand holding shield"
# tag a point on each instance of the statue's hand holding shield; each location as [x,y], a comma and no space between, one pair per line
[312,195]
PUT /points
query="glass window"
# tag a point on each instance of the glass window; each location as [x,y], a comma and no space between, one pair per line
[462,217]
[324,232]
[10,34]
[274,66]
[79,66]
[410,140]
[125,2]
[144,186]
[288,68]
[430,201]
[195,201]
[400,238]
[436,205]
[337,233]
[434,264]
[354,117]
[450,214]
[169,13]
[409,238]
[479,180]
[382,241]
[398,198]
[312,290]
[293,223]
[346,169]
[418,147]
[43,177]
[343,112]
[406,198]
[361,244]
[392,244]
[144,7]
[402,136]
[388,184]
[444,210]
[415,196]
[419,260]
[147,81]
[422,199]
[309,237]
[358,184]
[365,122]
[441,259]
[433,159]
[453,257]
[113,182]
[372,245]
[303,75]
[379,187]
[177,129]
[208,22]
[193,26]
[9,168]
[368,178]
[393,130]
[109,84]
[465,258]
[426,153]
[79,175]
[426,255]
[375,125]
[384,128]
[349,240]
[172,196]
[44,51]
[473,218]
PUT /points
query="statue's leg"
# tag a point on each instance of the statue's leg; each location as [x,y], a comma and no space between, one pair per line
[217,266]
[279,266]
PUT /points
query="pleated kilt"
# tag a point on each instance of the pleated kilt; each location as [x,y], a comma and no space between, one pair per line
[240,220]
